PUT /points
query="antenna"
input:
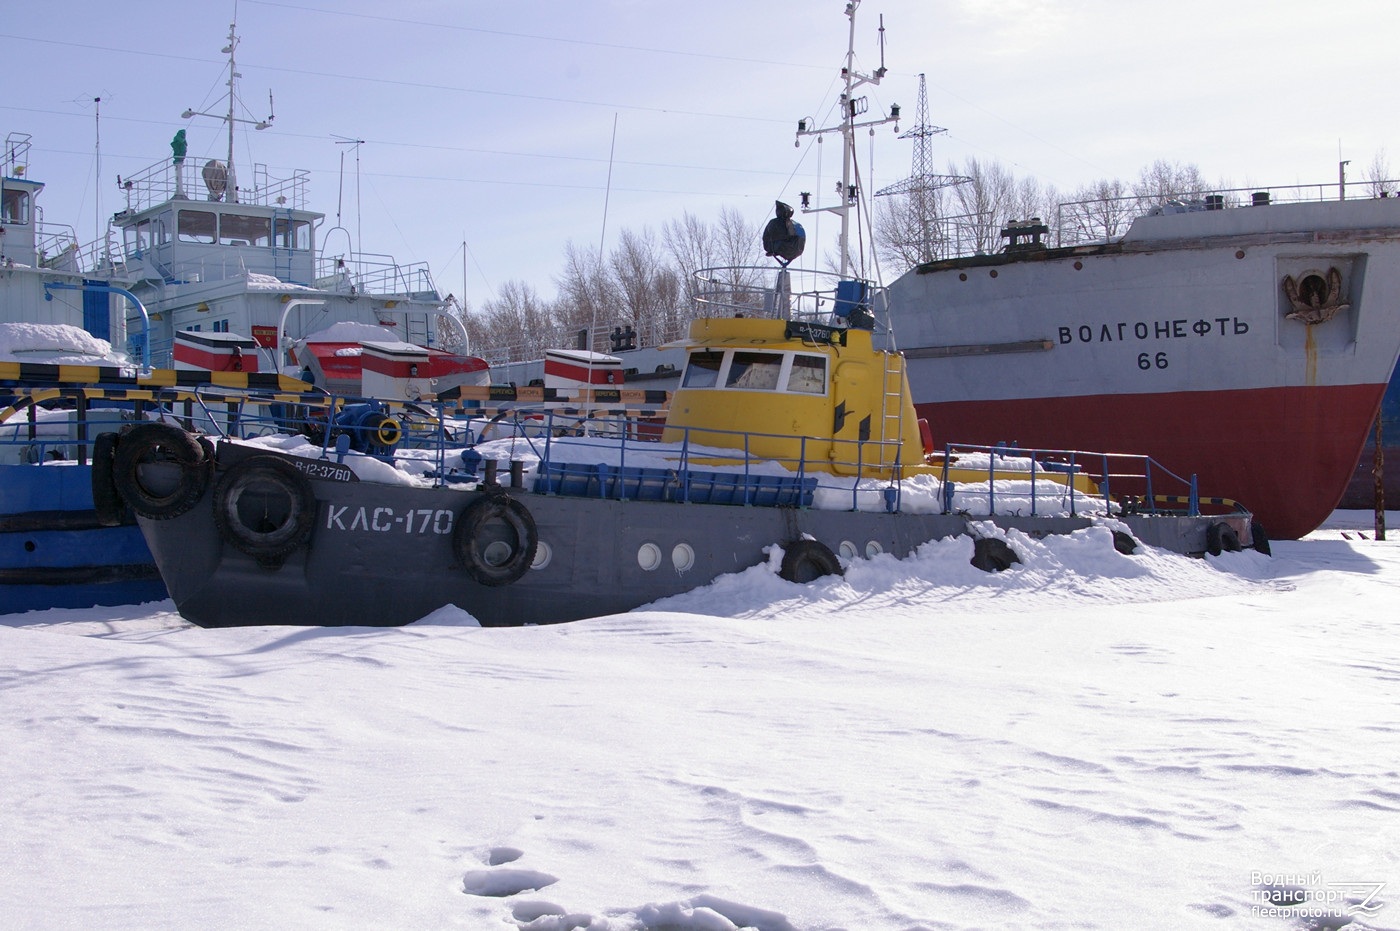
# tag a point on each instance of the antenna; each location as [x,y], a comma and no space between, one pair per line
[354,145]
[881,72]
[848,192]
[231,118]
[602,237]
[97,158]
[922,181]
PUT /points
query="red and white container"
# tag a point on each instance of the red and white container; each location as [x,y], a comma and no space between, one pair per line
[215,352]
[568,370]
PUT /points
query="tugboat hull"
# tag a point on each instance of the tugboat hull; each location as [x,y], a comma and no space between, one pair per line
[384,555]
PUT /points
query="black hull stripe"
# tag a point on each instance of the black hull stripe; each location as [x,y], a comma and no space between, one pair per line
[79,575]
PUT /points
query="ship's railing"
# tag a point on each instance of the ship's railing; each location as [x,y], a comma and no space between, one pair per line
[166,180]
[57,248]
[1119,483]
[379,275]
[610,456]
[31,434]
[601,452]
[14,161]
[54,424]
[786,293]
[283,192]
[1104,219]
[721,291]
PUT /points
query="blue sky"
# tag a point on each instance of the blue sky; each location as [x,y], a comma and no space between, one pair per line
[492,123]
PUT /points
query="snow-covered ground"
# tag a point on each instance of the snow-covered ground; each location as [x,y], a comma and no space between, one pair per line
[1089,740]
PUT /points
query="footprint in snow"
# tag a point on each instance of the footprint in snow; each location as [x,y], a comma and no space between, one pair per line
[502,883]
[498,856]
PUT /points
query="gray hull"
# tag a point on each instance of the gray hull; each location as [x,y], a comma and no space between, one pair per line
[385,554]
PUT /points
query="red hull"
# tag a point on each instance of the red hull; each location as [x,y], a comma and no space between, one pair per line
[1284,453]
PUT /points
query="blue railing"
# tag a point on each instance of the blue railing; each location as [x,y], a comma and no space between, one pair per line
[605,456]
[1124,481]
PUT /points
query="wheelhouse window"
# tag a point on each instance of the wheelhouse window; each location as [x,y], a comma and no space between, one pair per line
[808,374]
[197,226]
[292,234]
[702,369]
[14,206]
[239,230]
[755,371]
[138,238]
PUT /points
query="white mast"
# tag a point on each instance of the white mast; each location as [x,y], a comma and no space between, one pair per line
[230,118]
[848,194]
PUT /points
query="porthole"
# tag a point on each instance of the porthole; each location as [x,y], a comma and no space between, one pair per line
[543,554]
[497,553]
[873,549]
[682,557]
[649,556]
[848,550]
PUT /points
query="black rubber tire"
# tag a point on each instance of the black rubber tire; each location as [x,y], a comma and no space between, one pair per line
[105,500]
[161,445]
[992,555]
[1124,543]
[808,560]
[1221,538]
[1260,539]
[288,508]
[495,540]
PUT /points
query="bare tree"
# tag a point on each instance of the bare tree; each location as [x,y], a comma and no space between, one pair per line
[983,204]
[1165,181]
[1096,213]
[731,244]
[739,240]
[516,324]
[645,282]
[1031,201]
[1378,175]
[690,244]
[649,289]
[586,295]
[905,235]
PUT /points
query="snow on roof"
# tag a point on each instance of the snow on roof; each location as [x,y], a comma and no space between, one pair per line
[350,332]
[55,343]
[259,282]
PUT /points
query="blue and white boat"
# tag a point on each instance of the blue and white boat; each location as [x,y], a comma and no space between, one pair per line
[205,276]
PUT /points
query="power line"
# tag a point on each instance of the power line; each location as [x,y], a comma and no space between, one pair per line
[537,37]
[415,85]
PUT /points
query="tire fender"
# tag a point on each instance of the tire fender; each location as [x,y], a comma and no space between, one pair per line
[105,500]
[495,539]
[264,507]
[808,560]
[1221,538]
[992,555]
[162,445]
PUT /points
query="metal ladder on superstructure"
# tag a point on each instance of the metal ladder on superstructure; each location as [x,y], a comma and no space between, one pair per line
[892,411]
